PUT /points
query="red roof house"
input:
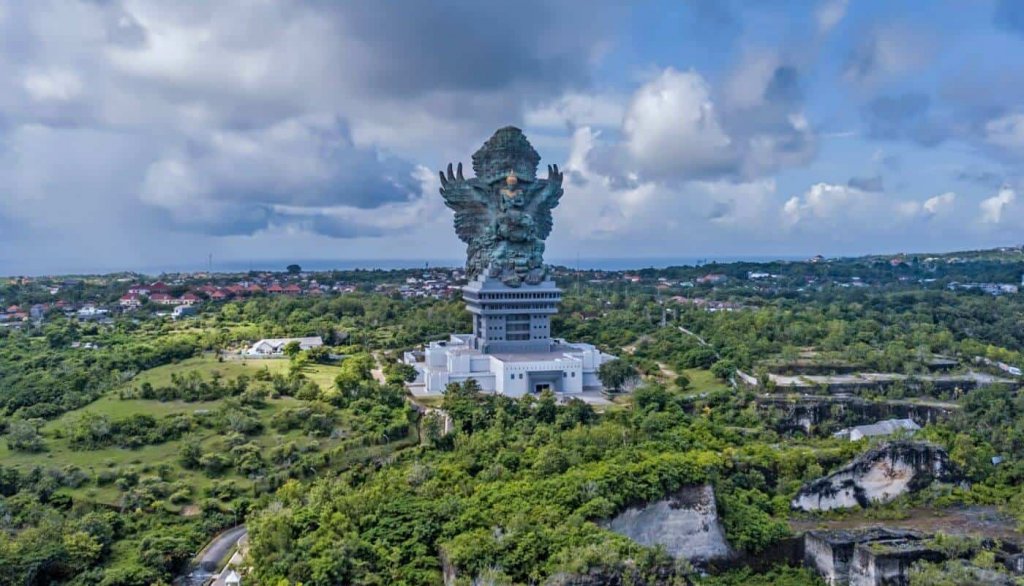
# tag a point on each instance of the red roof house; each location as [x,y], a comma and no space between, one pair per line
[162,299]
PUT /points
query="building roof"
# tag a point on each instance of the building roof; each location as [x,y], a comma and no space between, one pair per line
[885,427]
[278,343]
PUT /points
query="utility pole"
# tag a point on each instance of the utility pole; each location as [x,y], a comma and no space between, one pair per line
[578,274]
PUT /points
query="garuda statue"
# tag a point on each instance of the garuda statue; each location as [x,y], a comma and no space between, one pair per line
[504,213]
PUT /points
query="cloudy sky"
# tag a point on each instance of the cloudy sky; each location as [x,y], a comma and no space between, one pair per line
[139,133]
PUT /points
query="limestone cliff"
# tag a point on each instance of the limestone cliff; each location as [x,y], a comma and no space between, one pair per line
[686,523]
[878,475]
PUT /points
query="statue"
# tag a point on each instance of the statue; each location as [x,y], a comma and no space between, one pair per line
[504,213]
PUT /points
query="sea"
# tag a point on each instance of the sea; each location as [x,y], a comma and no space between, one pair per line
[316,265]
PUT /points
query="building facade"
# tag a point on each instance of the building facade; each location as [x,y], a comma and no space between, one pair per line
[510,351]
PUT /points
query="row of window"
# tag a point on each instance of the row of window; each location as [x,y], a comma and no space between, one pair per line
[519,306]
[520,296]
[513,375]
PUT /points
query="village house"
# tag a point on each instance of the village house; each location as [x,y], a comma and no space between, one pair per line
[163,299]
[130,301]
[159,287]
[183,311]
[272,347]
[90,312]
[711,279]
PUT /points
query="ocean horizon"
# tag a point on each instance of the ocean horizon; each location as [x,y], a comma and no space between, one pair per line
[318,265]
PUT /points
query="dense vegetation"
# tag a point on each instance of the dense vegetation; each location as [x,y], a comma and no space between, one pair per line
[120,458]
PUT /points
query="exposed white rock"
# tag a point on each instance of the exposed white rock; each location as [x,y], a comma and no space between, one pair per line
[879,475]
[686,523]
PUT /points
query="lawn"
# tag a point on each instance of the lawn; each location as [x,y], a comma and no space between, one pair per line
[702,381]
[145,459]
[207,365]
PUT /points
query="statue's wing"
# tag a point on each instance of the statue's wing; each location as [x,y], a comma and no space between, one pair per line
[548,193]
[470,202]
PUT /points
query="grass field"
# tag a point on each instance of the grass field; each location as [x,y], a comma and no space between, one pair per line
[702,381]
[145,459]
[321,374]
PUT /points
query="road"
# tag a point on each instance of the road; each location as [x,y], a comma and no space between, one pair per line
[206,565]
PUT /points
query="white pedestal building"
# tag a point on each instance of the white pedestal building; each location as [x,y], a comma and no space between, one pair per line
[511,351]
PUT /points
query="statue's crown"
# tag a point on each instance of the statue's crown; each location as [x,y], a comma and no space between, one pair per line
[506,153]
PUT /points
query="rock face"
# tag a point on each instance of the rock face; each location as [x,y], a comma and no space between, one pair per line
[810,413]
[686,523]
[878,475]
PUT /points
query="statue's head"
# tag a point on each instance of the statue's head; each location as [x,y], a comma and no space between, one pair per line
[506,150]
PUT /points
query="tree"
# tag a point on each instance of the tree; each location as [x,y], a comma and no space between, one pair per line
[190,453]
[400,372]
[22,436]
[293,269]
[723,369]
[292,349]
[682,382]
[614,374]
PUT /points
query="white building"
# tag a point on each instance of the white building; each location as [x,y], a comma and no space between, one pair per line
[880,428]
[271,347]
[565,368]
[510,351]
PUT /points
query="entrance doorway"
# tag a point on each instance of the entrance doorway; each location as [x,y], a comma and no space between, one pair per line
[541,387]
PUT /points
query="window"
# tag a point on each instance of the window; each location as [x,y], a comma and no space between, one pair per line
[520,376]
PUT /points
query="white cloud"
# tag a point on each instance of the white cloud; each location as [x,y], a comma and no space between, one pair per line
[928,209]
[825,202]
[829,14]
[827,207]
[576,110]
[601,207]
[671,128]
[228,118]
[53,85]
[1006,132]
[993,207]
[939,203]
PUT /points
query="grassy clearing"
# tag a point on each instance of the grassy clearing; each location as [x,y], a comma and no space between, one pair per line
[146,459]
[207,365]
[702,381]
